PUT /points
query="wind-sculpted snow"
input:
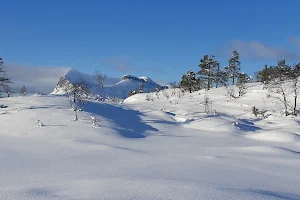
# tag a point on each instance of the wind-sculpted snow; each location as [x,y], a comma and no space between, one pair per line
[144,149]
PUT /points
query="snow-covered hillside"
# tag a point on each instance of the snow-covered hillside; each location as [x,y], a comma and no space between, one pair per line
[167,148]
[112,88]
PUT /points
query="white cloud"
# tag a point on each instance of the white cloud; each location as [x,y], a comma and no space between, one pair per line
[36,79]
[255,50]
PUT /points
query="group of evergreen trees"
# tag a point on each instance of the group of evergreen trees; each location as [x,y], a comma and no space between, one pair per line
[282,80]
[281,72]
[210,74]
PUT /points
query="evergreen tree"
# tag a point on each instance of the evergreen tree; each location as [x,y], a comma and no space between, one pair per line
[264,75]
[283,71]
[189,81]
[4,80]
[218,76]
[142,88]
[278,75]
[221,78]
[243,78]
[295,74]
[208,70]
[280,72]
[233,68]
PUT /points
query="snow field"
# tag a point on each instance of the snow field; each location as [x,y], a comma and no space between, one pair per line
[149,149]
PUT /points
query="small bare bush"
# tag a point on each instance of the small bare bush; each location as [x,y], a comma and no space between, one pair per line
[258,113]
[166,94]
[208,105]
[149,97]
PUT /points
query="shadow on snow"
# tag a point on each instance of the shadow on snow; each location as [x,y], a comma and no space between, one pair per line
[128,122]
[266,193]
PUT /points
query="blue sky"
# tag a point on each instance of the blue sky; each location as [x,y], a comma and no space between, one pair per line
[161,39]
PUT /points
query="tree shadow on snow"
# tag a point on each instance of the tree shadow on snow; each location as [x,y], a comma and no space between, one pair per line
[41,193]
[246,125]
[129,124]
[267,193]
[241,124]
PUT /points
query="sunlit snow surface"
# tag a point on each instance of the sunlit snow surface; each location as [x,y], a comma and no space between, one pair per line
[161,149]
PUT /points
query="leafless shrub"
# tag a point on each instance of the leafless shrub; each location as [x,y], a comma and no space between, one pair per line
[166,94]
[256,112]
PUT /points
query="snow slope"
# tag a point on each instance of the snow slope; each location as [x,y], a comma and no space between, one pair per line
[113,87]
[161,149]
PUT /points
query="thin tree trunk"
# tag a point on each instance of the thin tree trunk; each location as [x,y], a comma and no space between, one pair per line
[76,117]
[75,106]
[296,96]
[218,77]
[295,106]
[208,80]
[285,105]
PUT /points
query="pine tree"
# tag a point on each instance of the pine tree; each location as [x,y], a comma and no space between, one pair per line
[278,75]
[208,70]
[189,81]
[221,77]
[233,68]
[142,88]
[4,80]
[283,71]
[243,78]
[264,75]
[217,76]
[296,86]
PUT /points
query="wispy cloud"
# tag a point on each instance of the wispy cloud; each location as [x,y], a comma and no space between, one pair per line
[125,64]
[254,50]
[156,70]
[294,40]
[36,79]
[119,64]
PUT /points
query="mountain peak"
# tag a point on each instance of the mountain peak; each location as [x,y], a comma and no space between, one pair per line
[113,87]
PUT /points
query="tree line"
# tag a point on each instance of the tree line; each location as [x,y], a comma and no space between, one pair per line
[280,80]
[211,75]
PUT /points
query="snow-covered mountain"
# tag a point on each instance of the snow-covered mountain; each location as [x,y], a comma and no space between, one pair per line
[113,87]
